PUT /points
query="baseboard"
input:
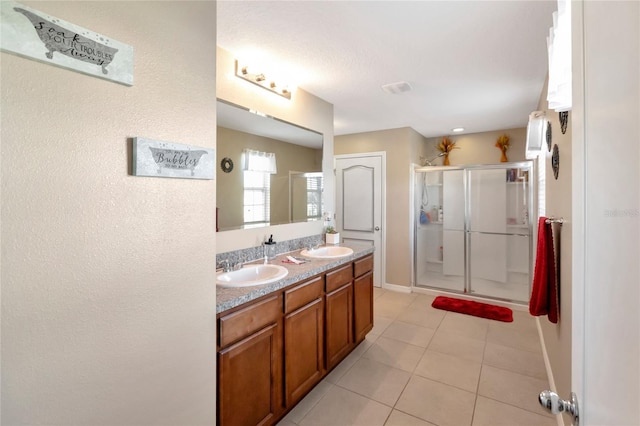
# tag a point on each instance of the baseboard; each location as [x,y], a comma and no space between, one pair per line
[398,288]
[547,365]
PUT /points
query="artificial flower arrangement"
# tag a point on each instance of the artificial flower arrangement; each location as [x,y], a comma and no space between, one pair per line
[445,146]
[503,144]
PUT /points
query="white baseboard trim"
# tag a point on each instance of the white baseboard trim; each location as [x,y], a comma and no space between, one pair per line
[395,287]
[547,365]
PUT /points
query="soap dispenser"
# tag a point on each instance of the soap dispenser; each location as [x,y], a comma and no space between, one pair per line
[270,248]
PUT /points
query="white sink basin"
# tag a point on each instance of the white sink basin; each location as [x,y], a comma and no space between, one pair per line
[251,275]
[327,252]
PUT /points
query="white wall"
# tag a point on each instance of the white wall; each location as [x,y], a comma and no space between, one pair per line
[304,109]
[557,337]
[108,297]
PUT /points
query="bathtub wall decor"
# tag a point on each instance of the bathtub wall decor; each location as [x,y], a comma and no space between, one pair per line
[168,159]
[35,35]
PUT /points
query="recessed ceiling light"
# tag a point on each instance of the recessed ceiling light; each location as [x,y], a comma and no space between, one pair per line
[457,129]
[395,88]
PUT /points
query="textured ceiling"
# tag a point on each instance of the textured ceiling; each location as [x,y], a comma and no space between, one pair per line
[476,64]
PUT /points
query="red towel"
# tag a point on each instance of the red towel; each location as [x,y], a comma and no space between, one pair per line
[544,295]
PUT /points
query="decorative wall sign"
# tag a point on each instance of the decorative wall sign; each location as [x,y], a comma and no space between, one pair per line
[555,161]
[564,120]
[549,136]
[36,35]
[226,164]
[167,159]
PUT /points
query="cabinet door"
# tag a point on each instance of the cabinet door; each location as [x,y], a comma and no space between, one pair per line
[249,377]
[303,350]
[363,305]
[339,324]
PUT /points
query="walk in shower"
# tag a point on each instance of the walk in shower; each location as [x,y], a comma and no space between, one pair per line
[473,230]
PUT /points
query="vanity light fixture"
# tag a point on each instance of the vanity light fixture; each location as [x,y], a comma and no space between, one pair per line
[457,129]
[259,79]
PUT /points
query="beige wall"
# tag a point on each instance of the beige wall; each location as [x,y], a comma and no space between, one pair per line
[557,337]
[230,186]
[108,298]
[405,147]
[479,148]
[305,110]
[401,145]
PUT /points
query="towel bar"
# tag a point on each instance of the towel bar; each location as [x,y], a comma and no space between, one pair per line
[554,220]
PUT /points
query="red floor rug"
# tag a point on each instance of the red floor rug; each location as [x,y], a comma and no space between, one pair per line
[477,309]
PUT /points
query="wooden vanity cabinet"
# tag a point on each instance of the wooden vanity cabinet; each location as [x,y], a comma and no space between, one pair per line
[363,297]
[273,351]
[250,364]
[303,338]
[339,312]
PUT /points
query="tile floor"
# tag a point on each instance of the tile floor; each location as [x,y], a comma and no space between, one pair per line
[423,366]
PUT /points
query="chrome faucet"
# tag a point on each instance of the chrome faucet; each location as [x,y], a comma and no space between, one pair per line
[227,266]
[313,246]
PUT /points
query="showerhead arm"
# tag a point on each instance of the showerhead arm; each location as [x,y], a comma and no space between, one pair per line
[428,162]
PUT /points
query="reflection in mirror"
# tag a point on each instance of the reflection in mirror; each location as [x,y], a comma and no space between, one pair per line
[250,198]
[305,193]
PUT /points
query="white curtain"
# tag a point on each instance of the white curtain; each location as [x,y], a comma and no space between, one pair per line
[256,161]
[559,47]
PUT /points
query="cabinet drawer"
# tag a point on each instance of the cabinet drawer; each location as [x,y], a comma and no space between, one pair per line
[339,277]
[302,294]
[244,322]
[362,266]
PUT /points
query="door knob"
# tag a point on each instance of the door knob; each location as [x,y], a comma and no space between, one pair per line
[377,228]
[552,402]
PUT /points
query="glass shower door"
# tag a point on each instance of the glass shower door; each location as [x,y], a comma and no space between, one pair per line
[453,228]
[439,243]
[498,232]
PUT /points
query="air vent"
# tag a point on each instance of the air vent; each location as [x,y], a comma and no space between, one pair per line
[395,88]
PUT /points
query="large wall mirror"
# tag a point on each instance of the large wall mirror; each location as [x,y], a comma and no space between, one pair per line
[249,197]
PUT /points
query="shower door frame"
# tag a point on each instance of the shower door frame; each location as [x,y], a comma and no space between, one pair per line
[466,169]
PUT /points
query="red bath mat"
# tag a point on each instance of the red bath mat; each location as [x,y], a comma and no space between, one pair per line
[477,309]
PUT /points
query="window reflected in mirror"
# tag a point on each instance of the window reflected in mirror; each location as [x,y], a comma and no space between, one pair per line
[306,195]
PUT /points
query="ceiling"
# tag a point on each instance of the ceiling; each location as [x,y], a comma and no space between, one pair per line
[480,65]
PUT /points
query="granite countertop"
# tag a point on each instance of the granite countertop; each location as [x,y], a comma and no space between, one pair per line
[228,297]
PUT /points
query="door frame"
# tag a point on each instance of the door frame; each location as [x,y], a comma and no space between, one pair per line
[603,357]
[383,205]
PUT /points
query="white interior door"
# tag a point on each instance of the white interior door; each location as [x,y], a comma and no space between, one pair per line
[359,203]
[606,212]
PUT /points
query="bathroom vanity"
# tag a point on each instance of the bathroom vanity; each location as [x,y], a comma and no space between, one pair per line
[277,341]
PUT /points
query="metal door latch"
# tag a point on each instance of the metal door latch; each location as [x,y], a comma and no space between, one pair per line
[552,402]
